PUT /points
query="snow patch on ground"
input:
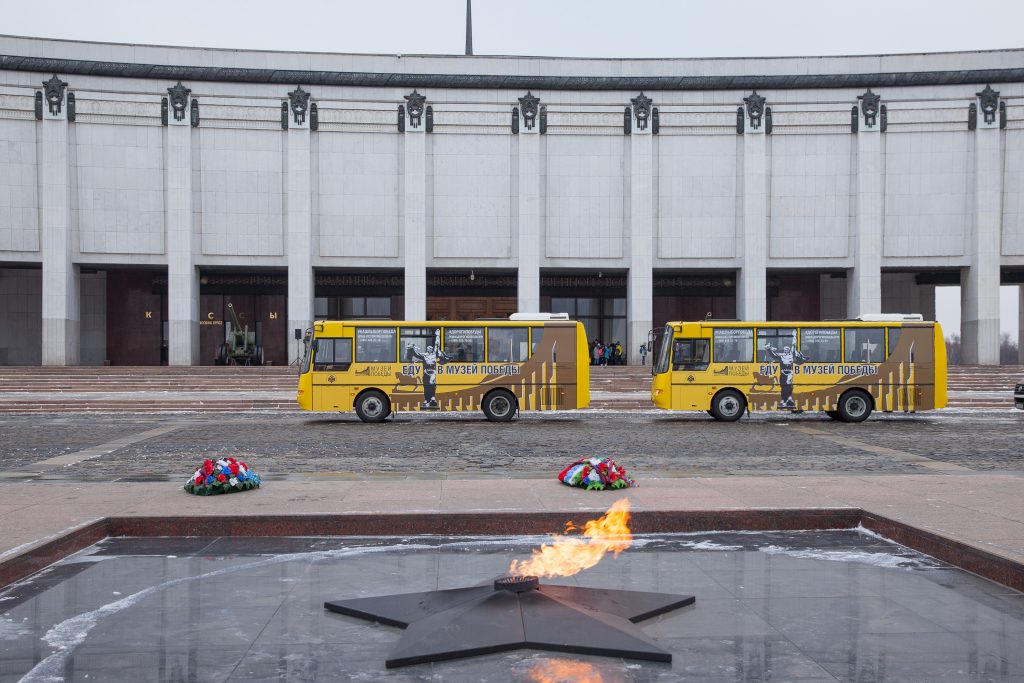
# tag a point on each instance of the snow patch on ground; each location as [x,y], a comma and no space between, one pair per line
[886,560]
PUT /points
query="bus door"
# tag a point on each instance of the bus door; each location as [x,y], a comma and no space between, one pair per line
[733,363]
[332,358]
[691,357]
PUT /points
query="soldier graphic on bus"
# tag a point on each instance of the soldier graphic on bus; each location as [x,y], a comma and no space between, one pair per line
[431,357]
[787,359]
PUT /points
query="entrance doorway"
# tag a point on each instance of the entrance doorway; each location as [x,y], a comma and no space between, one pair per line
[259,300]
[794,296]
[471,294]
[470,307]
[351,295]
[137,331]
[691,295]
[596,299]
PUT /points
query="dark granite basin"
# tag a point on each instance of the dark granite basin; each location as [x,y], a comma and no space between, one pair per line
[810,606]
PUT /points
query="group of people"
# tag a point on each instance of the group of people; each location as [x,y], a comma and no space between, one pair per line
[611,353]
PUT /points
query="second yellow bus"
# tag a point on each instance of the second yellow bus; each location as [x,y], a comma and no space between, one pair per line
[846,369]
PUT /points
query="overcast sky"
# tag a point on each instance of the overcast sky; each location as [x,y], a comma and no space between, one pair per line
[576,28]
[570,28]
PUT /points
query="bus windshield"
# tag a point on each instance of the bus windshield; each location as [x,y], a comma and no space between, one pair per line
[307,344]
[661,347]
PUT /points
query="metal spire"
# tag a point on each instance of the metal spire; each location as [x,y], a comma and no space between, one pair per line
[469,27]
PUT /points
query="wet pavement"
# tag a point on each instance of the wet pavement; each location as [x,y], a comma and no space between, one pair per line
[650,443]
[793,606]
[815,606]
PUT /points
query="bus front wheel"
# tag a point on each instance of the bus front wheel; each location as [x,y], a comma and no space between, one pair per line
[373,406]
[854,406]
[499,406]
[728,406]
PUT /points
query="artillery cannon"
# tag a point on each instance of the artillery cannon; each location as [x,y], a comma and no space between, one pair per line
[241,347]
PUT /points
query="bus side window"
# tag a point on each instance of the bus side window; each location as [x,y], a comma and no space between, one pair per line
[820,344]
[734,344]
[376,344]
[864,345]
[464,344]
[332,355]
[894,338]
[508,345]
[690,354]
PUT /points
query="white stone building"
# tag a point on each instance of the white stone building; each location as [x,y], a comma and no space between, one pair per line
[142,188]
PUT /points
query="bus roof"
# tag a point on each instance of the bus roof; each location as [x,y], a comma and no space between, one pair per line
[489,322]
[803,323]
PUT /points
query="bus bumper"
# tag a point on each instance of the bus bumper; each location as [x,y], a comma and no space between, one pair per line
[661,391]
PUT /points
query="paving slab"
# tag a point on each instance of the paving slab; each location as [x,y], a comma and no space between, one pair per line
[945,508]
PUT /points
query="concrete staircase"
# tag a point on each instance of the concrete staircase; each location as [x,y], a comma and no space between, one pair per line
[232,389]
[146,389]
[983,386]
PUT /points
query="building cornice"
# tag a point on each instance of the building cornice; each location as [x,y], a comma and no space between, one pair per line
[171,73]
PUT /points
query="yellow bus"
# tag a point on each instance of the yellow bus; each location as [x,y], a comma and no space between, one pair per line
[377,367]
[846,368]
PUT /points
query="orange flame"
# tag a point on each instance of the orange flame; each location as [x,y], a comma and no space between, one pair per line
[564,671]
[569,555]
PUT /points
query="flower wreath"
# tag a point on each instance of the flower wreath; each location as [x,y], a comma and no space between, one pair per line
[596,474]
[226,475]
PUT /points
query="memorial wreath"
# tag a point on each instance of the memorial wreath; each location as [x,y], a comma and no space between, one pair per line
[226,475]
[596,474]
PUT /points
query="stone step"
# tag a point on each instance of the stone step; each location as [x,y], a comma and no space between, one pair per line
[227,389]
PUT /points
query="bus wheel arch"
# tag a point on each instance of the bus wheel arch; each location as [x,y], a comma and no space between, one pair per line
[372,405]
[499,405]
[728,405]
[855,405]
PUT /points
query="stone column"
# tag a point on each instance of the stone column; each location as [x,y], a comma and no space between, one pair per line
[182,275]
[414,217]
[1020,324]
[299,216]
[529,204]
[752,282]
[61,280]
[926,294]
[979,292]
[864,282]
[640,287]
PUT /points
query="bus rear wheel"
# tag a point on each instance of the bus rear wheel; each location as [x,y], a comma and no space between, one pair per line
[373,406]
[854,406]
[499,406]
[728,405]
